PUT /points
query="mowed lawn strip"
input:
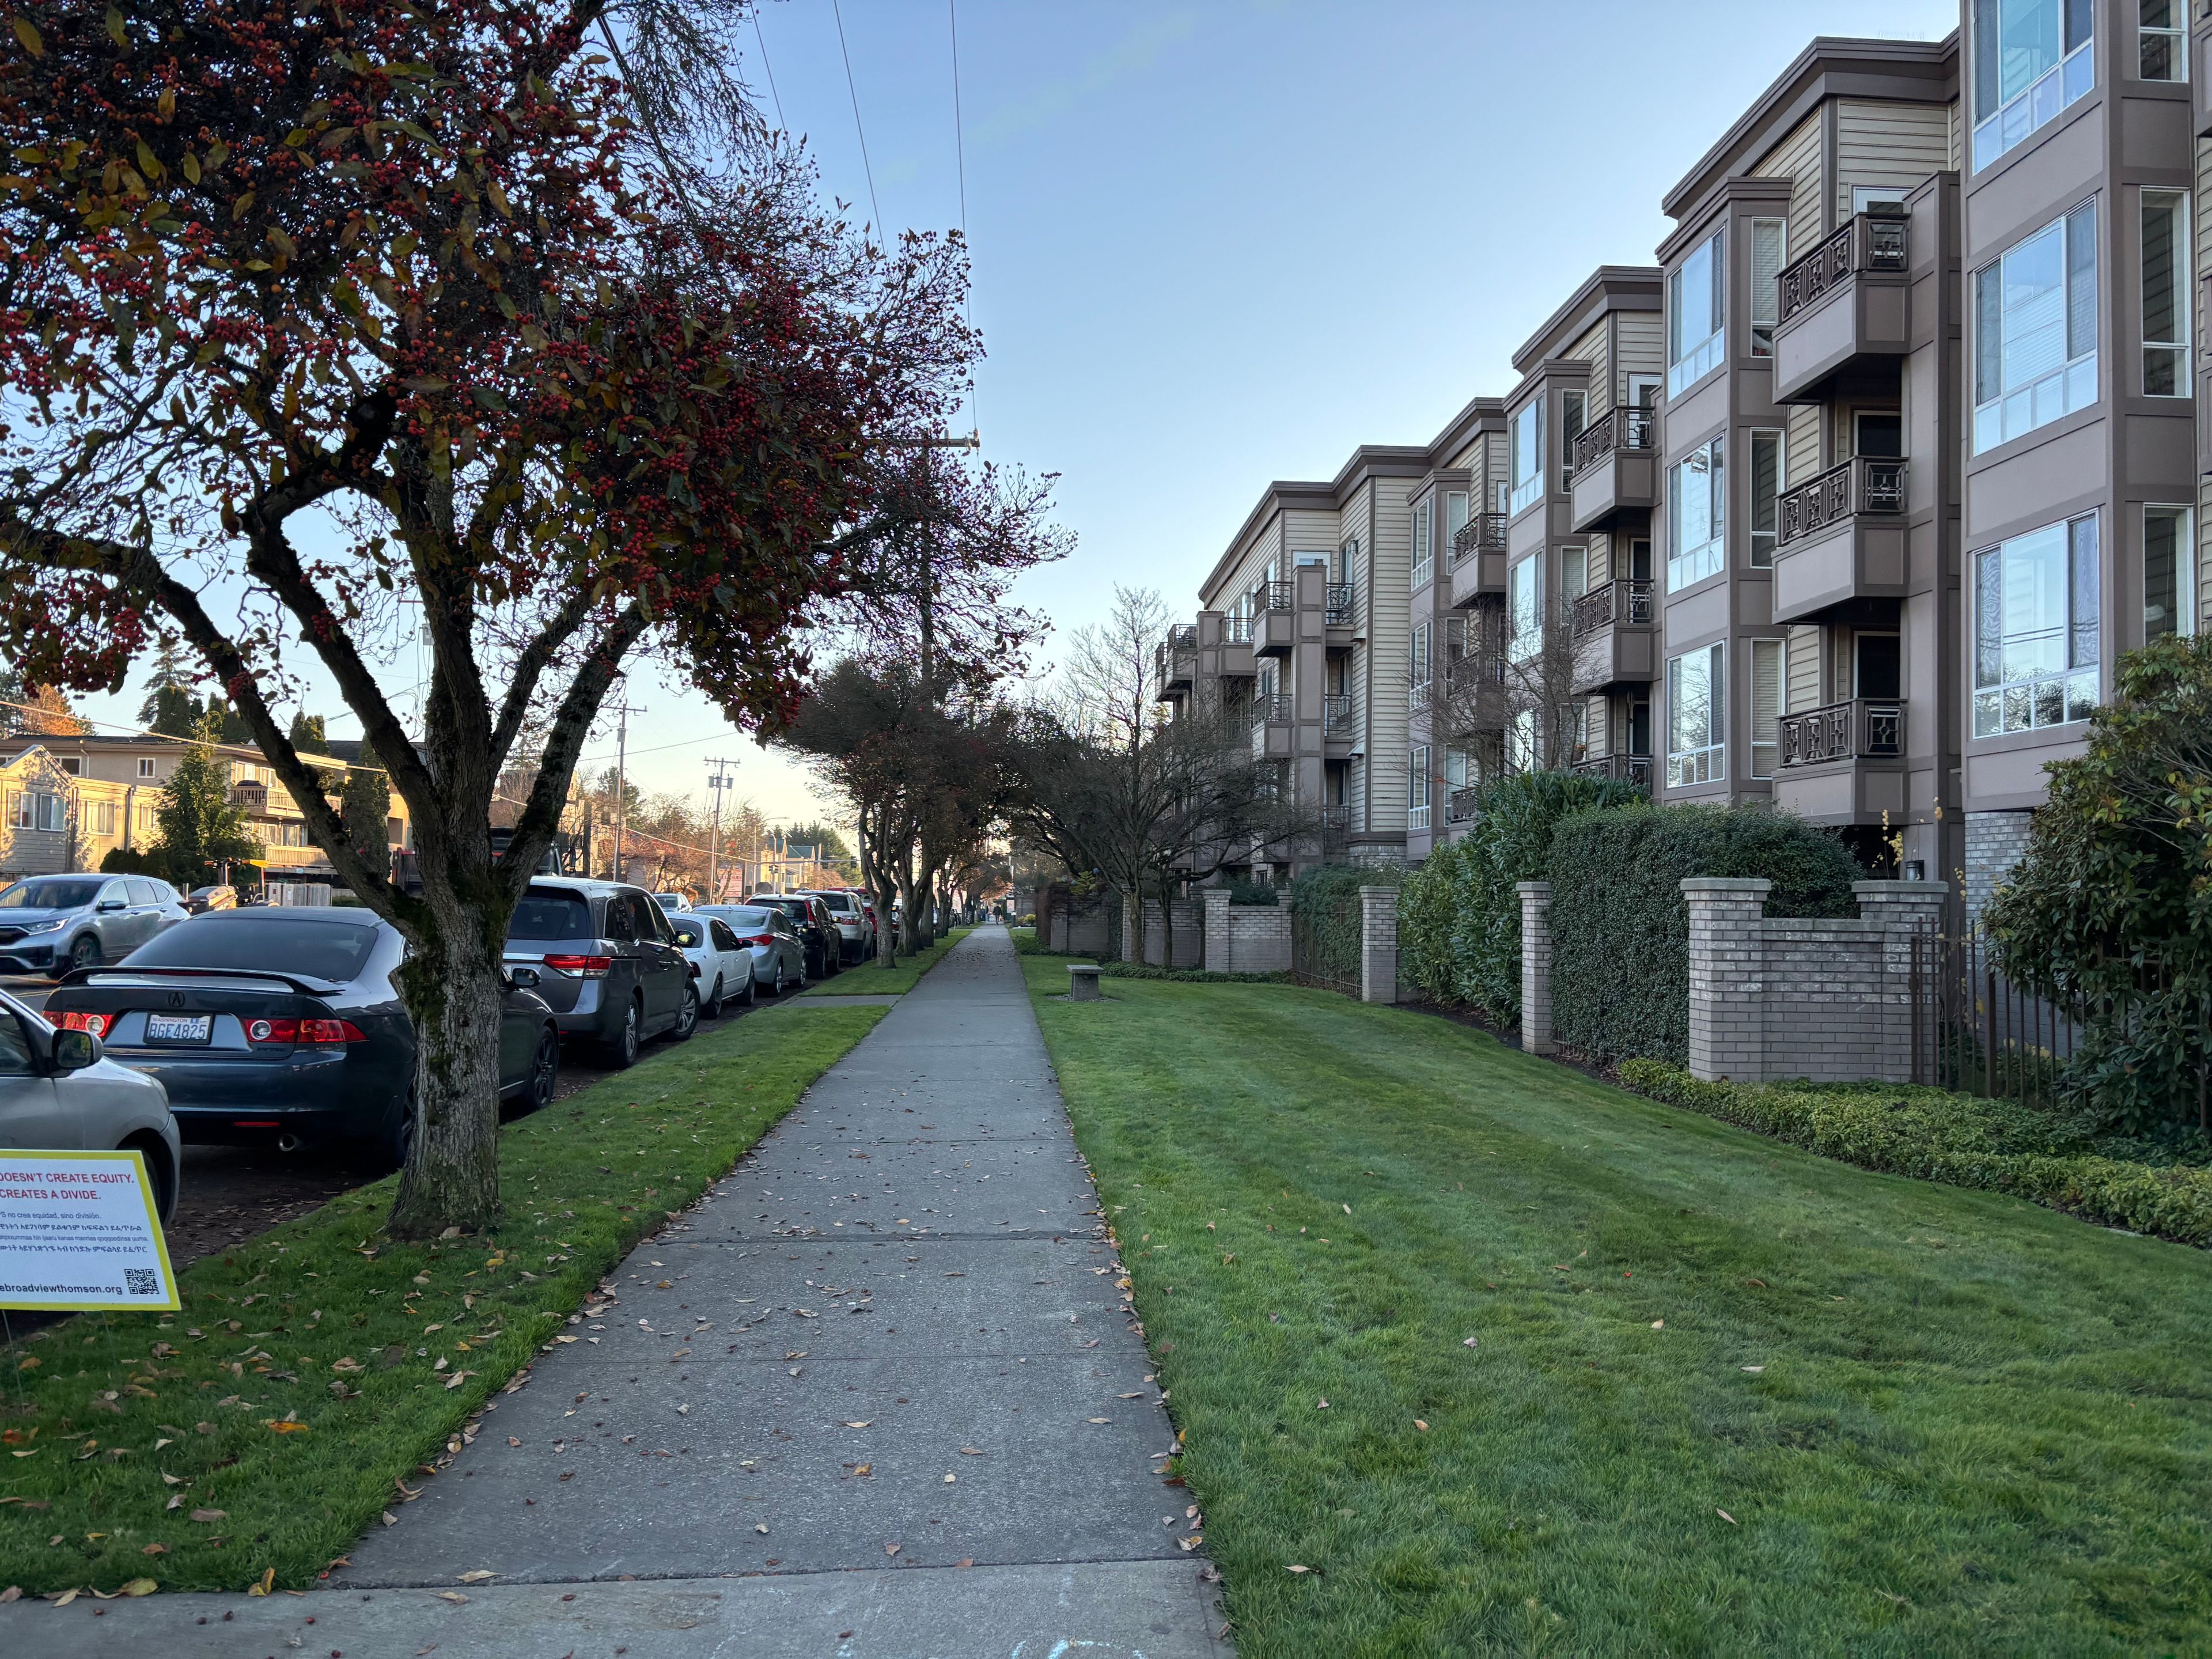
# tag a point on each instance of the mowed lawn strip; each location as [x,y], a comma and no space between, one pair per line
[313,1369]
[1724,1396]
[867,979]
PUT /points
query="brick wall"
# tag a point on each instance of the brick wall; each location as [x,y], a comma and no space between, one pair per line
[1245,939]
[1189,933]
[1379,945]
[1995,841]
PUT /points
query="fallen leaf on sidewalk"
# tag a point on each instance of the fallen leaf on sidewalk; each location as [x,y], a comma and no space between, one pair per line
[475,1575]
[891,1549]
[862,1424]
[454,1596]
[971,1452]
[139,1587]
[263,1584]
[13,1593]
[965,1561]
[761,1527]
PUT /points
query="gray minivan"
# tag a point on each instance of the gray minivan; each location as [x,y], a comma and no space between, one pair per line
[609,964]
[53,924]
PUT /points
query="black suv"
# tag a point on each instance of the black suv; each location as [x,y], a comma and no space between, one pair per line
[810,920]
[609,963]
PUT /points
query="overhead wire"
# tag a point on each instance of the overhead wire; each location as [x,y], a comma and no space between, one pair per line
[960,156]
[850,87]
[769,69]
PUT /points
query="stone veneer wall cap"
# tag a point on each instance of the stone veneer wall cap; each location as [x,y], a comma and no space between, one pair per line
[1727,884]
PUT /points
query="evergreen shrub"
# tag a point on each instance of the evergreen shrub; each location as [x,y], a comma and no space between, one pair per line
[1325,900]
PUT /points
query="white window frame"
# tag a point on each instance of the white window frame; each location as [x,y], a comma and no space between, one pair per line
[2042,673]
[1424,562]
[1574,572]
[1765,517]
[2049,390]
[1997,127]
[2170,607]
[146,766]
[1524,608]
[1689,764]
[2166,356]
[1421,662]
[1770,252]
[2170,39]
[1417,809]
[1690,359]
[1529,485]
[1767,682]
[1703,472]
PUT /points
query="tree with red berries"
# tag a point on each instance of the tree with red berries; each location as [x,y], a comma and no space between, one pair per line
[310,309]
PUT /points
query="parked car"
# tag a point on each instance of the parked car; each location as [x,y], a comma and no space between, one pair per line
[671,903]
[855,939]
[810,920]
[720,964]
[281,1025]
[59,1092]
[51,924]
[611,969]
[779,953]
[201,900]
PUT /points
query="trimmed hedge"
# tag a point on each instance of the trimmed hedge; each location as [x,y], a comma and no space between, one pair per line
[1459,914]
[1187,975]
[1259,894]
[1620,928]
[1955,1139]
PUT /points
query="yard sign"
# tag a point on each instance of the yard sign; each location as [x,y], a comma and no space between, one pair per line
[79,1234]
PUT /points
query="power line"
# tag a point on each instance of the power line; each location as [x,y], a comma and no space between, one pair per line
[960,156]
[769,68]
[854,90]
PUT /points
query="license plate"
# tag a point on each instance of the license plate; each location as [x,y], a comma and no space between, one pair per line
[179,1028]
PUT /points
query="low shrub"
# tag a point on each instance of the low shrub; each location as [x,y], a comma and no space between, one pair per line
[1459,916]
[1955,1139]
[1187,975]
[1259,894]
[1326,899]
[1620,928]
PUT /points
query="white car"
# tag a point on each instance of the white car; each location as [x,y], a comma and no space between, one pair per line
[670,903]
[721,964]
[60,1093]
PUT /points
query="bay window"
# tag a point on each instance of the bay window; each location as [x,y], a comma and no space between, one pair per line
[2032,59]
[1697,516]
[2036,614]
[2166,293]
[1416,788]
[2035,331]
[1696,711]
[1695,316]
[1524,609]
[2169,571]
[1527,456]
[2161,40]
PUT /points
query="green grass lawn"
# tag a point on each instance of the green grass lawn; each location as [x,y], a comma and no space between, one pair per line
[313,1369]
[867,980]
[1724,1396]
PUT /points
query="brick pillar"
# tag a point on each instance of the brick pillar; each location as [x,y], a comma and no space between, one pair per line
[1217,957]
[1728,1002]
[1379,945]
[1536,968]
[1132,929]
[1903,910]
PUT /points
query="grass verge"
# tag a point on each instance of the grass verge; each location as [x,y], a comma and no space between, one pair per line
[313,1369]
[1723,1397]
[867,980]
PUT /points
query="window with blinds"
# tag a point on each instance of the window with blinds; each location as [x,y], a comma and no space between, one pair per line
[1766,453]
[1770,246]
[1765,707]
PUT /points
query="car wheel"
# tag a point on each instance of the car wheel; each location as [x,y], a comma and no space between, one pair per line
[545,1070]
[622,1050]
[712,1008]
[84,952]
[387,1147]
[160,1170]
[805,970]
[687,1016]
[777,990]
[752,989]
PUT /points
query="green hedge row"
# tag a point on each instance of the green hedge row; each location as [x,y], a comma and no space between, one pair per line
[1620,928]
[1955,1139]
[1187,975]
[1325,899]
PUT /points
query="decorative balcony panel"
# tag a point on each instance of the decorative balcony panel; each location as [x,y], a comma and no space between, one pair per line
[1844,763]
[1478,559]
[1614,640]
[1629,769]
[1336,716]
[1845,312]
[1271,726]
[1459,806]
[1842,539]
[1339,606]
[1616,468]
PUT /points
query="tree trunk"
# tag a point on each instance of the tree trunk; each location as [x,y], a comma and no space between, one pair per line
[451,985]
[1167,924]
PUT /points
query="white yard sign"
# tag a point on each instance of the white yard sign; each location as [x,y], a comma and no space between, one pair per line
[79,1233]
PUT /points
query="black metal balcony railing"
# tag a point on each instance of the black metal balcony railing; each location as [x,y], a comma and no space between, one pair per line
[1863,485]
[1617,603]
[253,796]
[1476,667]
[1629,769]
[1459,806]
[1338,605]
[1865,728]
[1237,628]
[1272,709]
[1336,714]
[1485,532]
[1336,823]
[1625,426]
[1867,242]
[1274,596]
[1182,636]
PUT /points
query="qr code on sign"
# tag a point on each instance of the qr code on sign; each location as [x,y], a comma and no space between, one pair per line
[142,1281]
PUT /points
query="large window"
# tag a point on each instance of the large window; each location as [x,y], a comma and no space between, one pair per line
[1695,316]
[1416,788]
[2161,40]
[1765,707]
[1424,665]
[1574,416]
[1697,515]
[2169,571]
[2031,59]
[1765,496]
[2035,628]
[1423,554]
[1770,244]
[1527,456]
[1524,608]
[2166,293]
[2035,331]
[1696,717]
[1455,515]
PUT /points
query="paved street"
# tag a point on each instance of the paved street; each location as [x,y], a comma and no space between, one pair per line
[875,1396]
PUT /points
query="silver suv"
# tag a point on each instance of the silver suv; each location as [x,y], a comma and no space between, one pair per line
[53,924]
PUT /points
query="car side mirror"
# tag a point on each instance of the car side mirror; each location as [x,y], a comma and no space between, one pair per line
[109,905]
[523,978]
[75,1050]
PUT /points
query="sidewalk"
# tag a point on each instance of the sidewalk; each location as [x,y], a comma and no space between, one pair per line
[875,1396]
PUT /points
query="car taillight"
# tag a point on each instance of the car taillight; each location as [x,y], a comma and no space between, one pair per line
[97,1026]
[311,1032]
[582,967]
[758,938]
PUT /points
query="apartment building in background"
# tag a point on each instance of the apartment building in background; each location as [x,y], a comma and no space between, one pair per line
[1848,505]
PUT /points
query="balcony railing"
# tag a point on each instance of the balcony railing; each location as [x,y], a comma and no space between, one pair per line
[1865,484]
[1335,824]
[1481,666]
[1237,628]
[1868,242]
[1274,596]
[1625,425]
[254,797]
[1483,534]
[1459,806]
[1629,769]
[1865,728]
[1614,604]
[1182,636]
[1336,714]
[1338,605]
[1272,709]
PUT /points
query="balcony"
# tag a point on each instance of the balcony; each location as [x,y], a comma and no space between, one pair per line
[1176,660]
[1274,625]
[250,797]
[1470,693]
[1335,824]
[1842,539]
[1339,606]
[1614,641]
[1842,321]
[1337,720]
[1271,726]
[1628,769]
[1616,461]
[1478,559]
[1459,806]
[1844,763]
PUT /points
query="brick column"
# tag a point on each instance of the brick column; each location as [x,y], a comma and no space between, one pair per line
[1379,945]
[1217,957]
[1905,911]
[1132,929]
[1728,1011]
[1536,968]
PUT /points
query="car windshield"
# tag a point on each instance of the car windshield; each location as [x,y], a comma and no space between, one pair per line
[547,915]
[49,893]
[333,950]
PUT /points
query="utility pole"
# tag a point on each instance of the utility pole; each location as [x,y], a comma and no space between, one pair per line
[624,711]
[717,780]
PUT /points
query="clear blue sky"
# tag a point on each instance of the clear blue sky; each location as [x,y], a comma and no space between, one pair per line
[1223,243]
